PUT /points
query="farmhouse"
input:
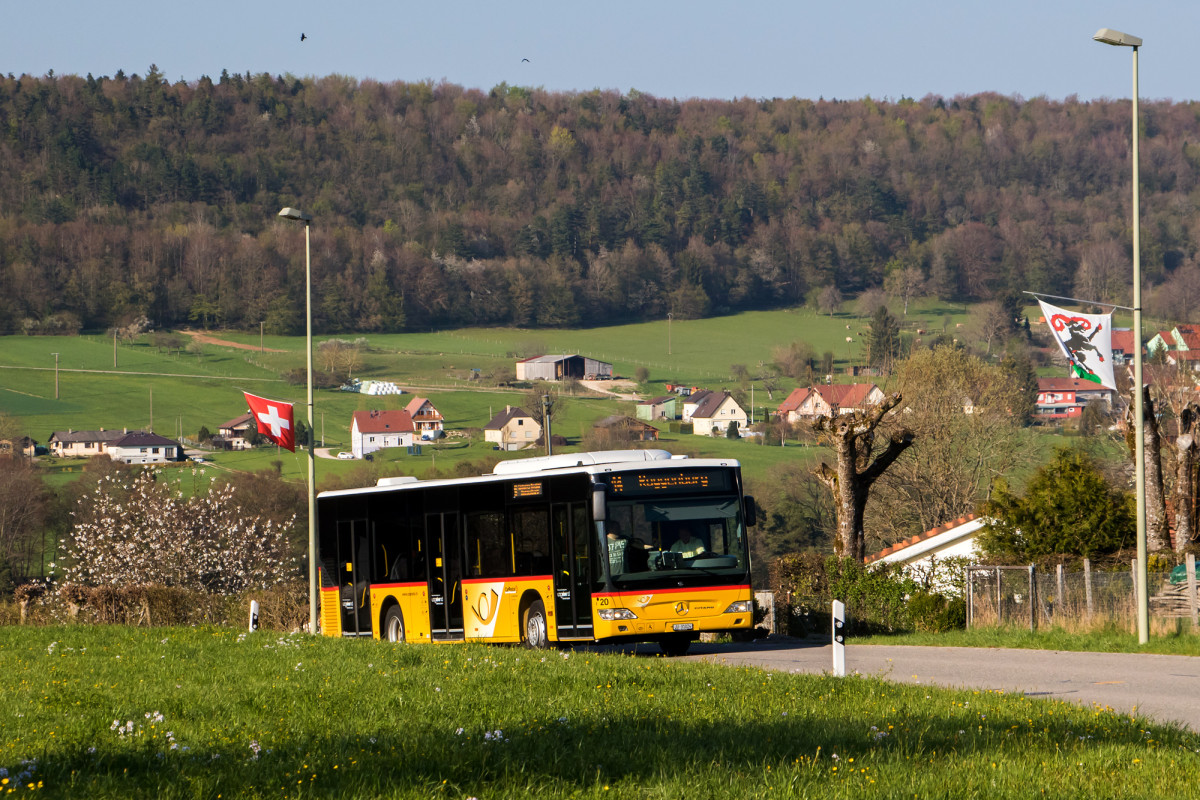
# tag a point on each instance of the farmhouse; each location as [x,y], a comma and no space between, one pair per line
[20,445]
[142,447]
[711,412]
[512,429]
[1122,345]
[82,443]
[234,434]
[560,367]
[633,430]
[665,407]
[375,430]
[426,419]
[1065,398]
[805,404]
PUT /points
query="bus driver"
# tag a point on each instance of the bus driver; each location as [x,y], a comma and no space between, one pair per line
[687,546]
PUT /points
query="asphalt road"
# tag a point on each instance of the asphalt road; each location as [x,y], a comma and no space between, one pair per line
[1163,688]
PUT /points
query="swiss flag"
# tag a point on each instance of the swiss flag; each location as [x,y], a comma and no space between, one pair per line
[275,420]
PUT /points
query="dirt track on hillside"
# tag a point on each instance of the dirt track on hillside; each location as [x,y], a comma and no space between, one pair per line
[205,338]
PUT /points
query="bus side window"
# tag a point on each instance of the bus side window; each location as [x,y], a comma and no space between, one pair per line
[487,546]
[531,539]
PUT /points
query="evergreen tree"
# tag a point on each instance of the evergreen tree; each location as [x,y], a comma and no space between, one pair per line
[1067,509]
[883,339]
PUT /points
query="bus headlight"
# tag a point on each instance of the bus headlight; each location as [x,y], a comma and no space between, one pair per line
[610,614]
[740,607]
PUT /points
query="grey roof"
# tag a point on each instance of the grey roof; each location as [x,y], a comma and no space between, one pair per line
[74,437]
[143,439]
[504,417]
[709,404]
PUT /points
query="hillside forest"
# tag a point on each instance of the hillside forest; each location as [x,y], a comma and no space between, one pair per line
[437,205]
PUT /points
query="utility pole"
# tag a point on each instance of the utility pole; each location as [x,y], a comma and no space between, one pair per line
[114,348]
[260,348]
[546,423]
[151,410]
[55,375]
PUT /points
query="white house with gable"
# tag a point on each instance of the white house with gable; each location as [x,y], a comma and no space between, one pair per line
[918,554]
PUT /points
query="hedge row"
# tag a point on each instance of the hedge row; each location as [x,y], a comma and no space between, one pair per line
[281,608]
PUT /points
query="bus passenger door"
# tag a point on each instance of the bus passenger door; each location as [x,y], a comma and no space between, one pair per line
[444,545]
[354,578]
[572,579]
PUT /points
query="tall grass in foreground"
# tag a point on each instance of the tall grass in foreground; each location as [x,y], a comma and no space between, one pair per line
[116,712]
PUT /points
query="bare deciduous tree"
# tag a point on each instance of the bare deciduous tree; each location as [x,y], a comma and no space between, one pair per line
[905,284]
[853,437]
[961,409]
[1156,498]
[1187,457]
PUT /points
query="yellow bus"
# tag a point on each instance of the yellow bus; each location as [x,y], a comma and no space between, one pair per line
[625,545]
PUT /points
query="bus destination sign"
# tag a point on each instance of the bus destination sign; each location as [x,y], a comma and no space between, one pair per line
[668,482]
[533,489]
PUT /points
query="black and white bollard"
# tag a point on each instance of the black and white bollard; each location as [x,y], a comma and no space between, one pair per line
[839,638]
[253,616]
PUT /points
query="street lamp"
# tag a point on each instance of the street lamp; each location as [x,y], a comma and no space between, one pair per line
[1118,39]
[313,588]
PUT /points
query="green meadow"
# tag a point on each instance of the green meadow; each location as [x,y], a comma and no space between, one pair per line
[111,712]
[177,393]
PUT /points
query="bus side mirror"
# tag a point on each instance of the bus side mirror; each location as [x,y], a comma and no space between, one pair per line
[750,511]
[599,502]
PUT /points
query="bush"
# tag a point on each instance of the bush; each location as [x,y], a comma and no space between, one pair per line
[281,608]
[879,598]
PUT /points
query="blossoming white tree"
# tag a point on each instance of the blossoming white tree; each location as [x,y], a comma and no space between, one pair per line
[139,532]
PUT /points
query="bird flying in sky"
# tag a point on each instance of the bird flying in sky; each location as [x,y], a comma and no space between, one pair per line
[303,37]
[525,60]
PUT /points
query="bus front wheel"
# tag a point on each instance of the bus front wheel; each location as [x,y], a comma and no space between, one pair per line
[534,633]
[675,646]
[393,625]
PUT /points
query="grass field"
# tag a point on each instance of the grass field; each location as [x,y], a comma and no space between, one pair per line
[178,393]
[1170,637]
[104,712]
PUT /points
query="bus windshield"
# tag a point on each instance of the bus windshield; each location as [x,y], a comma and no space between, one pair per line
[659,542]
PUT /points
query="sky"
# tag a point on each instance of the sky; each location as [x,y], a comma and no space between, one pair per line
[698,49]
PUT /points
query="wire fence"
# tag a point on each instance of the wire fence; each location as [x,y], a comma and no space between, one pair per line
[1080,600]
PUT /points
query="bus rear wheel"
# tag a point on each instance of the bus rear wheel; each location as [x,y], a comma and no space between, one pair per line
[393,625]
[533,634]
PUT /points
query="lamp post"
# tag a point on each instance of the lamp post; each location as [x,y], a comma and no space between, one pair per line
[313,588]
[1118,39]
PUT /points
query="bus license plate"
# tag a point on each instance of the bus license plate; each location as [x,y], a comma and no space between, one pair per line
[682,626]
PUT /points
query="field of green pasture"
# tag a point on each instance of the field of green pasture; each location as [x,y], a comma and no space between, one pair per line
[178,392]
[108,712]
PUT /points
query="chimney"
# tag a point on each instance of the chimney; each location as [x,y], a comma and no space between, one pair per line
[508,409]
[125,430]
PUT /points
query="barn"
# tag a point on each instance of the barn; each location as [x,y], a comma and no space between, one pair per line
[559,367]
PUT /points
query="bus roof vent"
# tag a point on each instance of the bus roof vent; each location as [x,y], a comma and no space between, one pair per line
[396,481]
[542,463]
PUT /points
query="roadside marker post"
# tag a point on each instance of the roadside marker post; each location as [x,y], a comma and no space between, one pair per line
[839,638]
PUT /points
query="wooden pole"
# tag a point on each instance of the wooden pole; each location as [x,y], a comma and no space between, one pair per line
[1032,599]
[1058,599]
[1087,585]
[1191,582]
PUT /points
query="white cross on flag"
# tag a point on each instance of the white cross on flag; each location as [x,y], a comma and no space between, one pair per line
[1086,341]
[274,420]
